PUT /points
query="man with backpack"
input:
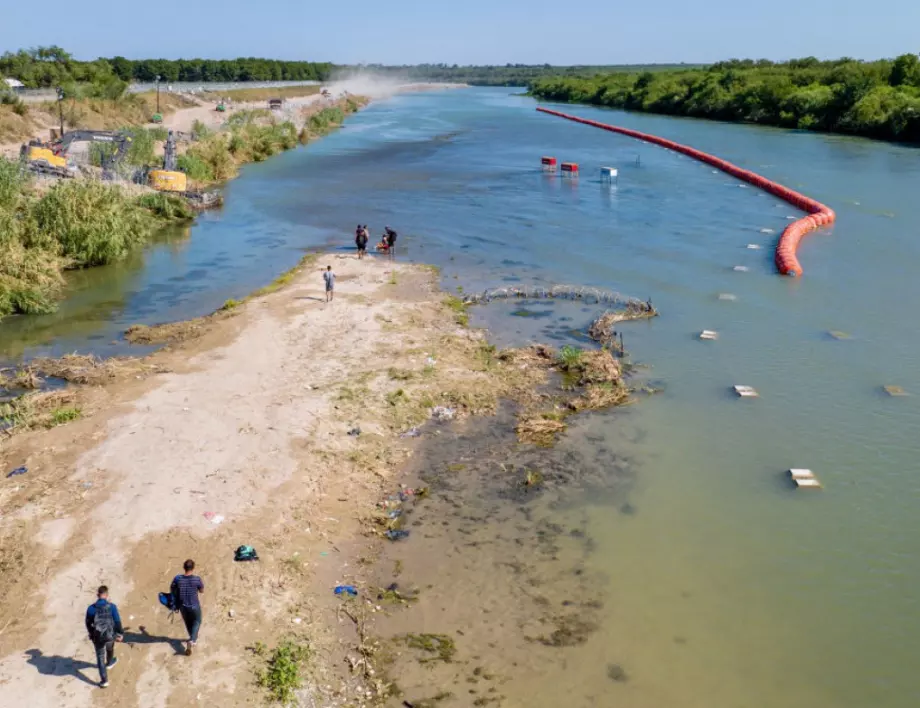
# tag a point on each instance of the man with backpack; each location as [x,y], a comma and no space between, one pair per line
[103,623]
[185,590]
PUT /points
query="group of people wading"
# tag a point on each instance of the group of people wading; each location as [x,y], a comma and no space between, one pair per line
[387,240]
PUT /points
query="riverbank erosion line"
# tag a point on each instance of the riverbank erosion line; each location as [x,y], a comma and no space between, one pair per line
[785,256]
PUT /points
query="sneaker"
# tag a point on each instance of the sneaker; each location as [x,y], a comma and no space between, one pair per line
[104,684]
[112,663]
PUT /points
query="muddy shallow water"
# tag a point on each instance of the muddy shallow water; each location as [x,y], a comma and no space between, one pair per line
[508,571]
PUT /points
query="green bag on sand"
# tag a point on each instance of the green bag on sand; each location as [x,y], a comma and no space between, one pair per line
[245,553]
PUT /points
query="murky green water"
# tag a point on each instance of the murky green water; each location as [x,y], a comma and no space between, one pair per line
[725,587]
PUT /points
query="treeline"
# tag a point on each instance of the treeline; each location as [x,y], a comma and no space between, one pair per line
[47,67]
[879,99]
[506,75]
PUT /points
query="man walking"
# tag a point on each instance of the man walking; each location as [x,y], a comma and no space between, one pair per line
[185,589]
[329,278]
[103,624]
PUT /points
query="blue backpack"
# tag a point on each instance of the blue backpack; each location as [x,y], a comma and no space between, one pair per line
[169,601]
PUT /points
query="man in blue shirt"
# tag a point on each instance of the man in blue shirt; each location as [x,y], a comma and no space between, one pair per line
[103,624]
[185,589]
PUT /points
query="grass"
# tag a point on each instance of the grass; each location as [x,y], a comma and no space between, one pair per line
[230,304]
[435,647]
[63,415]
[570,357]
[282,674]
[459,308]
[167,207]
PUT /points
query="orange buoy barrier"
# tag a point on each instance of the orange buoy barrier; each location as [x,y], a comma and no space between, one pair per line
[785,258]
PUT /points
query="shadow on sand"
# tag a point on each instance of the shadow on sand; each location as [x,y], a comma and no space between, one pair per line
[60,665]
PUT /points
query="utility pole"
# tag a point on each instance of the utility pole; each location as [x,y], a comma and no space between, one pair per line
[158,93]
[60,98]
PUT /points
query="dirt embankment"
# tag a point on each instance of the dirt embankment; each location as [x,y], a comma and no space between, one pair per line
[278,426]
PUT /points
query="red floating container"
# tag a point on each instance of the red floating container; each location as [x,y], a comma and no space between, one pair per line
[570,167]
[548,161]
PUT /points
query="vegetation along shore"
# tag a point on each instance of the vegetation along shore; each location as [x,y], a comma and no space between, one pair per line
[879,99]
[50,226]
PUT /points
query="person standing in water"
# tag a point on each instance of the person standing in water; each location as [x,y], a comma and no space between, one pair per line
[329,278]
[390,237]
[361,241]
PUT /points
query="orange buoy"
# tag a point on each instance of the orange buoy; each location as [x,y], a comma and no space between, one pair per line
[818,214]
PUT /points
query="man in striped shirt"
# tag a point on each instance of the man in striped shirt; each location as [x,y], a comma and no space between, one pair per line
[185,589]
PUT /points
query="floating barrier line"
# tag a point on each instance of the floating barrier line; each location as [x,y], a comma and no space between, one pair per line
[785,258]
[556,292]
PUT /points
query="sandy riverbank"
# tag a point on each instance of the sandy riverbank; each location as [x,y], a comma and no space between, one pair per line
[250,422]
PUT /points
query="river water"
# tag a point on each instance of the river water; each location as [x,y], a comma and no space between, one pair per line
[722,586]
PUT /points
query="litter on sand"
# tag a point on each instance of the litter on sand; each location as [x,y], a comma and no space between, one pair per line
[396,534]
[346,590]
[18,471]
[442,413]
[213,518]
[411,433]
[355,432]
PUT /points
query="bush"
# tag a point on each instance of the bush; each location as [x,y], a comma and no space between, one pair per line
[196,168]
[20,108]
[88,223]
[281,676]
[168,207]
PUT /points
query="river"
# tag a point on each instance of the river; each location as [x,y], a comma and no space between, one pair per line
[722,586]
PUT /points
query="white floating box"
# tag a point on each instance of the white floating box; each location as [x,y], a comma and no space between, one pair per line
[709,334]
[753,247]
[741,269]
[746,391]
[895,391]
[804,479]
[609,173]
[727,297]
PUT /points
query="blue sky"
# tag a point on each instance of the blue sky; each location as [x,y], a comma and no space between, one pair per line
[467,31]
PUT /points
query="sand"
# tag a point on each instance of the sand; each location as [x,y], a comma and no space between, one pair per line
[251,424]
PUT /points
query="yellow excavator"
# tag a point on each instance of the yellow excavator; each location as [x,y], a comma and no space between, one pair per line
[51,157]
[169,179]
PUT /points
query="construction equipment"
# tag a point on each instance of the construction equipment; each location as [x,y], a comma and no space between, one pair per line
[275,104]
[221,108]
[51,157]
[169,179]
